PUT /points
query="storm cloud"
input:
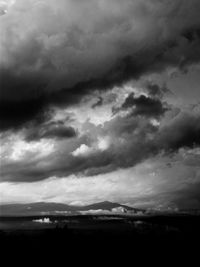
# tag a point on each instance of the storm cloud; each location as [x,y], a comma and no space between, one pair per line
[95,89]
[51,131]
[78,46]
[144,106]
[121,142]
[181,131]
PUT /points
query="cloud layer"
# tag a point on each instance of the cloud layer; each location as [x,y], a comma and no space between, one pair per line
[80,45]
[85,96]
[137,131]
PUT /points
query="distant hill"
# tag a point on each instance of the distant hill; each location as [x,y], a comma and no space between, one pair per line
[106,205]
[43,208]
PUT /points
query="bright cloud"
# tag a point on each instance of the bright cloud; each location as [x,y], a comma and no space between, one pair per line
[16,149]
[21,149]
[82,150]
[103,143]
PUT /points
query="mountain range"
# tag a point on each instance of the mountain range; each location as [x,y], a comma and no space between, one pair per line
[42,208]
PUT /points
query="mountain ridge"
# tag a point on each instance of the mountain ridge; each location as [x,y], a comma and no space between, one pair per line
[52,207]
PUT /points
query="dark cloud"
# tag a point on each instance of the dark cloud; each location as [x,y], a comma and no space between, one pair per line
[81,46]
[84,46]
[148,107]
[143,106]
[130,144]
[182,131]
[14,115]
[98,103]
[155,90]
[60,132]
[50,131]
[132,139]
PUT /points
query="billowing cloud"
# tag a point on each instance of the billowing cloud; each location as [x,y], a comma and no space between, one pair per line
[121,142]
[80,45]
[144,106]
[50,131]
[89,97]
[182,131]
[82,150]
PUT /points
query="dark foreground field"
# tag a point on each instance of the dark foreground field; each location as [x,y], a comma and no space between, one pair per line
[116,237]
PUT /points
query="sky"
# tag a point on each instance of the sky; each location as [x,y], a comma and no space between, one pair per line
[100,100]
